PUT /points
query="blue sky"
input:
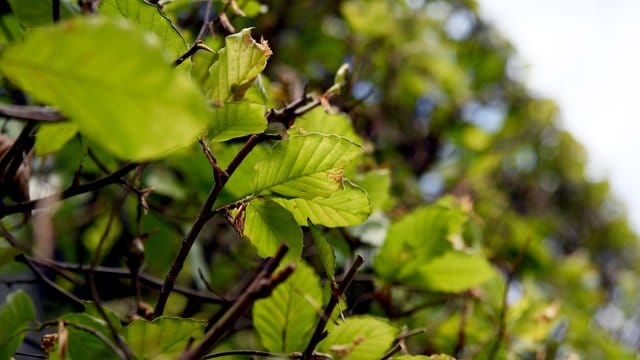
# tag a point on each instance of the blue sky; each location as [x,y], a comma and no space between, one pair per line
[585,54]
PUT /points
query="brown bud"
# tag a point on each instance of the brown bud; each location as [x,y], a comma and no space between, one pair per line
[16,187]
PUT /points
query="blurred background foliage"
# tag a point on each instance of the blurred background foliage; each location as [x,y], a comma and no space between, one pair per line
[437,97]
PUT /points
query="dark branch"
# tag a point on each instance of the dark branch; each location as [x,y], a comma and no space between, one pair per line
[31,113]
[72,191]
[336,294]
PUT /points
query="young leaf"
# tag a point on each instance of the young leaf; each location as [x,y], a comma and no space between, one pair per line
[15,315]
[239,63]
[346,207]
[325,250]
[423,357]
[162,338]
[306,166]
[359,338]
[454,272]
[7,252]
[135,106]
[418,237]
[148,17]
[286,319]
[318,120]
[82,342]
[377,183]
[236,119]
[52,137]
[268,224]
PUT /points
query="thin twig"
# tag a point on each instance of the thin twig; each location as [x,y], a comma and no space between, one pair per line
[31,113]
[146,279]
[197,46]
[502,325]
[55,4]
[262,286]
[206,213]
[40,275]
[72,191]
[336,294]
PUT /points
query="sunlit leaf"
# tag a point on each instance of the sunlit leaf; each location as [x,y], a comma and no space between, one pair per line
[239,63]
[162,338]
[52,137]
[267,225]
[359,338]
[423,357]
[236,119]
[148,17]
[346,207]
[305,166]
[377,183]
[419,237]
[286,319]
[16,314]
[454,272]
[135,106]
[318,120]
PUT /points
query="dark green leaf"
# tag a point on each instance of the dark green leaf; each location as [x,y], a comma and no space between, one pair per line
[15,316]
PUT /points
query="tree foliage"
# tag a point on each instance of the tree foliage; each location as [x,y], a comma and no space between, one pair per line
[355,179]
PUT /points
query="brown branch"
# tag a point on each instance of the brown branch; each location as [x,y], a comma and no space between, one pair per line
[31,113]
[72,191]
[41,276]
[261,287]
[399,342]
[206,213]
[146,279]
[502,322]
[197,46]
[336,294]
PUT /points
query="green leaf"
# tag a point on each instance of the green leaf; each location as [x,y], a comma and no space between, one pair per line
[15,316]
[7,252]
[359,338]
[236,119]
[162,338]
[239,63]
[454,272]
[140,109]
[286,319]
[325,250]
[423,357]
[33,13]
[305,166]
[377,183]
[52,137]
[82,342]
[268,224]
[346,207]
[418,237]
[148,17]
[318,120]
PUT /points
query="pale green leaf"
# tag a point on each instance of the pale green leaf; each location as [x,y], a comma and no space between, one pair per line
[454,272]
[305,166]
[236,119]
[423,357]
[239,63]
[286,319]
[52,137]
[148,17]
[162,338]
[16,314]
[318,120]
[7,252]
[346,207]
[325,250]
[377,183]
[359,338]
[82,342]
[419,237]
[267,225]
[32,13]
[135,106]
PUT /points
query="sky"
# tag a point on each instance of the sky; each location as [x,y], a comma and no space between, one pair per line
[585,54]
